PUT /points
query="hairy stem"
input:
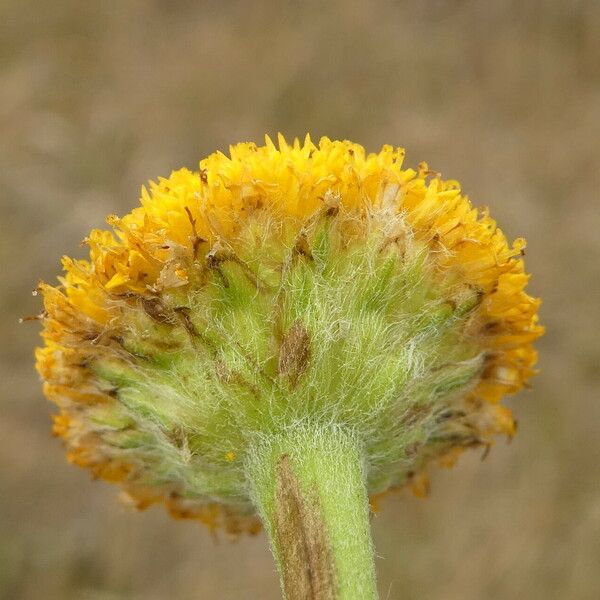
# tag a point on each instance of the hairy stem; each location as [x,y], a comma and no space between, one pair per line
[308,485]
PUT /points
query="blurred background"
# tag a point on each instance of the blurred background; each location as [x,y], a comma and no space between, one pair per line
[98,97]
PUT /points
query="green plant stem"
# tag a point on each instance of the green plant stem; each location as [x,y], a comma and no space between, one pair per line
[308,484]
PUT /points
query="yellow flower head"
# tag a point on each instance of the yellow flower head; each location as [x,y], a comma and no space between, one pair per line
[304,283]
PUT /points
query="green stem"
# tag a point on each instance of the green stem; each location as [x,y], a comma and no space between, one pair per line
[308,485]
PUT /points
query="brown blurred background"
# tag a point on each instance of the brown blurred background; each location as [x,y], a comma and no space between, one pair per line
[98,97]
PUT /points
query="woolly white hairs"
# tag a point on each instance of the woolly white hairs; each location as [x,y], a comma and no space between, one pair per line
[343,322]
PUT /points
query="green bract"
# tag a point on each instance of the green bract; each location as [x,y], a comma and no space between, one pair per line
[341,322]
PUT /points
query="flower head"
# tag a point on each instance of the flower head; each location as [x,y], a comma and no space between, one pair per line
[300,284]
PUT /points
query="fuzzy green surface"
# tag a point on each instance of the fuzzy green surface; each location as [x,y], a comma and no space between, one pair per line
[328,464]
[377,340]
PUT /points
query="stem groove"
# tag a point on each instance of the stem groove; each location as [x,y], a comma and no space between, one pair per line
[308,484]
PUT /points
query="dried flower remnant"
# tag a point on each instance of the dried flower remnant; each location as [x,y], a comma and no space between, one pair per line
[280,323]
